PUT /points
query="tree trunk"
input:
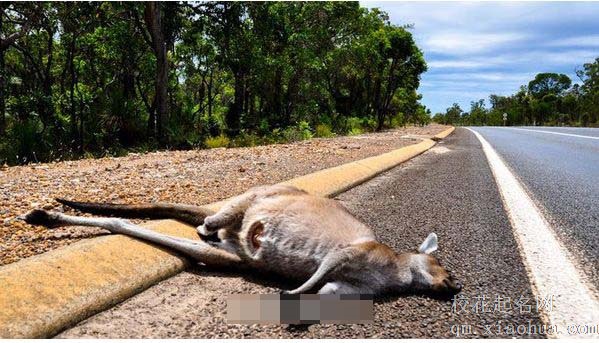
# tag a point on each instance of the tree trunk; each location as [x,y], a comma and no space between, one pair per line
[377,105]
[2,86]
[128,111]
[210,94]
[81,131]
[72,111]
[153,19]
[2,92]
[233,116]
[292,94]
[152,119]
[284,121]
[47,105]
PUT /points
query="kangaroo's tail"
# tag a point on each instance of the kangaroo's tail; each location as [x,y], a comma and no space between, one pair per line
[193,215]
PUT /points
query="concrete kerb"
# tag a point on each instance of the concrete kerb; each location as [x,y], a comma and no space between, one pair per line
[42,295]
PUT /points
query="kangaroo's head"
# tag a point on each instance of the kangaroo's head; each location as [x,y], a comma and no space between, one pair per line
[425,273]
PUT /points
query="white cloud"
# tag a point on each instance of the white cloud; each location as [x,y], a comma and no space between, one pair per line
[486,77]
[474,49]
[466,43]
[438,64]
[517,60]
[577,41]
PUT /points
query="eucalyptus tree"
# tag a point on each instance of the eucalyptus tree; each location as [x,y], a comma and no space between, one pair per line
[15,22]
[589,75]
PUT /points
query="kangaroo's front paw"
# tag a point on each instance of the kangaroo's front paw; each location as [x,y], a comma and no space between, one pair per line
[205,230]
[208,227]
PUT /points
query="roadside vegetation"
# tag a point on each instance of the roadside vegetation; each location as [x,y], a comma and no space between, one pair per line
[550,99]
[85,79]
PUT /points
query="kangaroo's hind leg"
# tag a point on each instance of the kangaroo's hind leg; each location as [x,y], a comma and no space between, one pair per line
[198,250]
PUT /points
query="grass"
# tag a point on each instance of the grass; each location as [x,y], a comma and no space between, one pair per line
[221,141]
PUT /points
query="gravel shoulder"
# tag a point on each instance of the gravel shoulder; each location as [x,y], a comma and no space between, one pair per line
[449,190]
[192,177]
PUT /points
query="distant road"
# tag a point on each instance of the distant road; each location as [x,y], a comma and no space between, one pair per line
[578,131]
[560,169]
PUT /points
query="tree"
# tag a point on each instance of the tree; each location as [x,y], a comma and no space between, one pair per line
[453,114]
[100,78]
[549,83]
[230,32]
[16,20]
[439,118]
[589,75]
[548,99]
[478,113]
[422,116]
[400,65]
[153,17]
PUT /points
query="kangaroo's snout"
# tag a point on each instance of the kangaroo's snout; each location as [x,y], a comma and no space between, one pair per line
[453,286]
[446,288]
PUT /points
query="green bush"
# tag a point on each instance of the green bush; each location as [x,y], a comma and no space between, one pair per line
[291,134]
[305,129]
[355,131]
[323,131]
[353,126]
[301,131]
[220,141]
[369,124]
[246,139]
[25,144]
[397,120]
[7,153]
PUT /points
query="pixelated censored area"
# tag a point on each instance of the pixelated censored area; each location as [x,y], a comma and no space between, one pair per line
[300,309]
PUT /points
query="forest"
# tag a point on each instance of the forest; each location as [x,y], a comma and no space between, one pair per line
[550,99]
[87,79]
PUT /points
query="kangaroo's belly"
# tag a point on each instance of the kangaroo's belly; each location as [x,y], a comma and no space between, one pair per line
[291,255]
[294,240]
[289,250]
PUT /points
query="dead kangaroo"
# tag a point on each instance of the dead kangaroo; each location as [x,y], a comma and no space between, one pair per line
[284,230]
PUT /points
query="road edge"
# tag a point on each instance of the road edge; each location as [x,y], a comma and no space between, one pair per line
[45,294]
[574,304]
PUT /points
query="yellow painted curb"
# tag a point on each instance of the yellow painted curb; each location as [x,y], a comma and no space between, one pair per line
[445,133]
[42,295]
[332,181]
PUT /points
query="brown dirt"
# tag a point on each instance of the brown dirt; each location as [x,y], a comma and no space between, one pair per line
[192,177]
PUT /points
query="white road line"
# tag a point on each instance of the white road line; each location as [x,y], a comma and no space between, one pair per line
[551,270]
[555,133]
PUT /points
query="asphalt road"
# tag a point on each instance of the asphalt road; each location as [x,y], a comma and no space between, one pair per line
[449,190]
[561,173]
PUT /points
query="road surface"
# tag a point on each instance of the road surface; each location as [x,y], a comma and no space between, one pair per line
[450,190]
[560,169]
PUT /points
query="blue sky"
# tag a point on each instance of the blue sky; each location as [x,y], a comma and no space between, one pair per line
[474,49]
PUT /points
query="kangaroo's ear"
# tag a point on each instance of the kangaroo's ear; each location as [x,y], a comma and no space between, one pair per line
[429,245]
